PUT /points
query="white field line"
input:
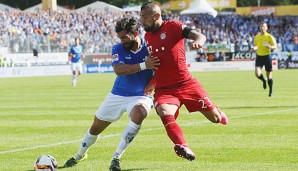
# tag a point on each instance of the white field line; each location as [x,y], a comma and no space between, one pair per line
[146,130]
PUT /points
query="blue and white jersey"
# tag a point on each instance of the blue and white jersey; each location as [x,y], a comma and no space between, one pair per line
[132,84]
[77,50]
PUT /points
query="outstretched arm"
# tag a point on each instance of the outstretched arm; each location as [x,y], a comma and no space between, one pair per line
[199,38]
[125,69]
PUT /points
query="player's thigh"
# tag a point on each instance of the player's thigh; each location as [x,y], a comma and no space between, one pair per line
[166,102]
[112,108]
[259,61]
[268,64]
[79,67]
[73,66]
[195,97]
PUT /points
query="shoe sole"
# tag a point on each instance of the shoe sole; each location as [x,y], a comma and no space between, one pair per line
[181,152]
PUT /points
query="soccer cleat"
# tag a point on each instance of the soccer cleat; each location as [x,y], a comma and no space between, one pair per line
[115,165]
[264,84]
[270,93]
[72,161]
[224,118]
[184,152]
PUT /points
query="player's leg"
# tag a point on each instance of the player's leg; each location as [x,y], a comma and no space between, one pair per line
[80,68]
[89,139]
[268,68]
[138,108]
[258,70]
[167,114]
[216,116]
[195,98]
[73,70]
[137,114]
[270,83]
[108,112]
[92,135]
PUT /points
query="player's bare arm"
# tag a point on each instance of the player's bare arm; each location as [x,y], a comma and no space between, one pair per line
[271,47]
[124,69]
[149,87]
[254,48]
[199,39]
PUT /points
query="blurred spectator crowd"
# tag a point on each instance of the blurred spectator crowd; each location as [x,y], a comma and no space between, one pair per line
[54,31]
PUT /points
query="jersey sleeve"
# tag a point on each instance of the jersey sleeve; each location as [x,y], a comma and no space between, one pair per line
[272,41]
[255,40]
[117,54]
[177,28]
[71,50]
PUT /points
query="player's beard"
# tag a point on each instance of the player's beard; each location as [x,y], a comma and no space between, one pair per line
[148,28]
[129,45]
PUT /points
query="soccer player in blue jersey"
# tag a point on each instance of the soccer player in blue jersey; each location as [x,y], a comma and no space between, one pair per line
[133,66]
[75,55]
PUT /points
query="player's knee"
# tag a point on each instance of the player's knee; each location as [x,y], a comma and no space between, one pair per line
[138,114]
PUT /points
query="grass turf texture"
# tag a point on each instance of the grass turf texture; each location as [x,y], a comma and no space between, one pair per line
[46,115]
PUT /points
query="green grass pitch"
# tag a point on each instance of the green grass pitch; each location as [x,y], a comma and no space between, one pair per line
[46,115]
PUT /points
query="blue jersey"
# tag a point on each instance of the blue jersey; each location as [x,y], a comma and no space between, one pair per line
[132,84]
[76,50]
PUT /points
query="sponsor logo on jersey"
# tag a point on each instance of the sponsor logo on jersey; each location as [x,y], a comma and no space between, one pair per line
[127,57]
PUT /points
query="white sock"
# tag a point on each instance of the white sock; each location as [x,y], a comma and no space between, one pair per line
[128,135]
[73,79]
[86,144]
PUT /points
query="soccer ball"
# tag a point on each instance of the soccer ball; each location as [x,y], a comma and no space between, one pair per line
[45,163]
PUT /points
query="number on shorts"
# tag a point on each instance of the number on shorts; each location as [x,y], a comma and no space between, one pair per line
[203,102]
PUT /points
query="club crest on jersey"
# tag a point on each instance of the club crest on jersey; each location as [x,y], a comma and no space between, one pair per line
[163,36]
[115,57]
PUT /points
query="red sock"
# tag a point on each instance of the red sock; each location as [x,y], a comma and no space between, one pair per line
[174,131]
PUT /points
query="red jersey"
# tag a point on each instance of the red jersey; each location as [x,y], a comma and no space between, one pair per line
[167,44]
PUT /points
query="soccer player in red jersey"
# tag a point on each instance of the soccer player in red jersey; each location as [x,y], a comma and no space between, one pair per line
[174,85]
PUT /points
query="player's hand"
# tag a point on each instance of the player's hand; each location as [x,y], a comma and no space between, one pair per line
[152,62]
[149,89]
[199,42]
[196,45]
[267,45]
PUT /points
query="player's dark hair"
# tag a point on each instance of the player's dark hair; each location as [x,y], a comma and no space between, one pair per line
[129,25]
[146,4]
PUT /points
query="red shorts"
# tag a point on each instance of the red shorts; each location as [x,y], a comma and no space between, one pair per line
[191,94]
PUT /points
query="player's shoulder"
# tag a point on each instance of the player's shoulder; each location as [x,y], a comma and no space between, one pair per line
[172,22]
[117,46]
[270,35]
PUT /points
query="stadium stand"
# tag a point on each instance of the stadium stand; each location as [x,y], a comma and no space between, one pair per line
[57,29]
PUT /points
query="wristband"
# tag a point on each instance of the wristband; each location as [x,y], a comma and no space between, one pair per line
[143,66]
